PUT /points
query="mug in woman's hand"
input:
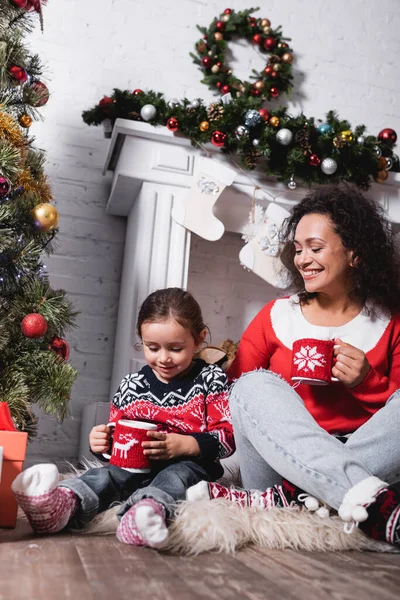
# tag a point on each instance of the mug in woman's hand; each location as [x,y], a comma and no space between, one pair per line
[312,361]
[127,451]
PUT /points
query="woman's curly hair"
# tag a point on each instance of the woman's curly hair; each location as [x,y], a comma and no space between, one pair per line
[363,228]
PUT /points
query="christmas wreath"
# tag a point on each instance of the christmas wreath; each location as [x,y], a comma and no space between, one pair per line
[273,80]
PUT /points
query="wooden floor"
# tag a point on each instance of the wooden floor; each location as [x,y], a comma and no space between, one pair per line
[93,567]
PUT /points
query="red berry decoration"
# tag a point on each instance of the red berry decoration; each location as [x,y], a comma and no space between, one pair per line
[274,92]
[218,138]
[41,93]
[387,135]
[219,25]
[314,160]
[34,326]
[18,73]
[264,114]
[227,11]
[5,187]
[257,38]
[135,93]
[60,347]
[172,124]
[269,43]
[225,89]
[207,62]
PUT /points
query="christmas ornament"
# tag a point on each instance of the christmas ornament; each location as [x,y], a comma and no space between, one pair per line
[257,38]
[378,151]
[274,92]
[25,121]
[40,93]
[215,111]
[218,36]
[256,142]
[34,326]
[19,3]
[173,103]
[215,69]
[346,136]
[252,118]
[225,89]
[227,11]
[218,138]
[207,62]
[241,131]
[265,23]
[360,139]
[339,142]
[274,121]
[269,43]
[314,160]
[264,114]
[18,73]
[195,104]
[46,216]
[204,126]
[328,166]
[292,185]
[267,30]
[251,158]
[137,92]
[284,137]
[381,176]
[225,18]
[387,135]
[287,58]
[60,347]
[172,124]
[259,84]
[324,128]
[389,163]
[148,112]
[5,187]
[268,70]
[382,163]
[106,102]
[220,25]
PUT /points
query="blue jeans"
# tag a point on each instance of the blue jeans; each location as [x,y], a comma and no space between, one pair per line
[99,488]
[277,437]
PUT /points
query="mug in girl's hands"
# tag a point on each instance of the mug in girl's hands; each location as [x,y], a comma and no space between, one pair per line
[127,451]
[312,361]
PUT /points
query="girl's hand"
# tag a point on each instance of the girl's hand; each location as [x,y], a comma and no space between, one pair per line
[100,439]
[170,445]
[351,364]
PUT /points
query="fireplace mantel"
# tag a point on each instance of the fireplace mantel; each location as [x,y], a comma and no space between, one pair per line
[152,171]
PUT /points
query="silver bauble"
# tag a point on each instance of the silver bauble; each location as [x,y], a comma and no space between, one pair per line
[148,112]
[292,185]
[173,103]
[256,142]
[252,118]
[195,104]
[328,166]
[389,163]
[284,137]
[241,131]
[360,139]
[378,151]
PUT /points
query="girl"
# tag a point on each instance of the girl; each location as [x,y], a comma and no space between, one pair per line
[186,395]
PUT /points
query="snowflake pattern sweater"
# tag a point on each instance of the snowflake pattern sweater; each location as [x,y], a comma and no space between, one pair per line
[267,343]
[196,404]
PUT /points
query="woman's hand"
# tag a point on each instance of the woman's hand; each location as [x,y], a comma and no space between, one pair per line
[100,439]
[170,445]
[351,364]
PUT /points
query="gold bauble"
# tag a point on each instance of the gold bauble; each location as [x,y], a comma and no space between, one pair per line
[274,121]
[346,136]
[215,69]
[259,85]
[229,72]
[218,36]
[46,216]
[276,67]
[381,176]
[265,23]
[287,58]
[225,18]
[204,125]
[382,164]
[267,30]
[25,121]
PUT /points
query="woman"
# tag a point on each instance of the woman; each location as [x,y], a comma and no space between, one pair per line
[341,442]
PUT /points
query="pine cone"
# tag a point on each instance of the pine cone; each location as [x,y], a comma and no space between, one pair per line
[250,158]
[338,142]
[215,111]
[135,116]
[302,137]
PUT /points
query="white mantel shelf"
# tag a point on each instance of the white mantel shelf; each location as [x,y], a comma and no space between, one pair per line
[152,171]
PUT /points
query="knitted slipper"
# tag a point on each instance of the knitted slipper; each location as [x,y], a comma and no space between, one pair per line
[144,524]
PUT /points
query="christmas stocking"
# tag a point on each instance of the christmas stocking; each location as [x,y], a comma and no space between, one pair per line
[196,211]
[261,253]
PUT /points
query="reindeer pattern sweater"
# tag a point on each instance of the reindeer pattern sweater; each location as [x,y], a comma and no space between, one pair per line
[267,343]
[196,404]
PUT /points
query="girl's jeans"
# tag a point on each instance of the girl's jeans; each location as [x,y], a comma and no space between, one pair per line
[277,437]
[99,488]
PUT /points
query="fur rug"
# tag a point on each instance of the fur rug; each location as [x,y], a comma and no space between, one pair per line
[221,526]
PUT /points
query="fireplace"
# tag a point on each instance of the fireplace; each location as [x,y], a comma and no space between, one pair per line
[152,171]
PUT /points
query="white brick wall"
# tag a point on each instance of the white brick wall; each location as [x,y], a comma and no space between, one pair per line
[347,59]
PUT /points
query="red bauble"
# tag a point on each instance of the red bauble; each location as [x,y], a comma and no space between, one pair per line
[172,124]
[252,19]
[227,11]
[268,70]
[34,326]
[218,138]
[5,187]
[18,73]
[20,3]
[387,135]
[219,25]
[135,93]
[41,93]
[218,84]
[269,43]
[254,92]
[314,160]
[274,92]
[257,38]
[274,74]
[219,64]
[264,114]
[106,102]
[225,89]
[60,347]
[207,62]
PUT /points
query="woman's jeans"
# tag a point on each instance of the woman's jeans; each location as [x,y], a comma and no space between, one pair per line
[100,487]
[277,437]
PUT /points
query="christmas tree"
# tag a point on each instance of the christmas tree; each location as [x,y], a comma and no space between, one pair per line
[33,316]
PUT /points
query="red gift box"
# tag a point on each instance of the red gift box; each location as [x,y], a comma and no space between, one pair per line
[14,449]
